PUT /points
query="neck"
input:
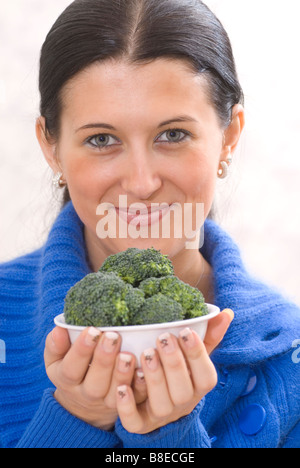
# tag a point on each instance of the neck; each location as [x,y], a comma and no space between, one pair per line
[192,268]
[96,251]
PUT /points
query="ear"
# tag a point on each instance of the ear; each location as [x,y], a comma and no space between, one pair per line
[48,147]
[233,132]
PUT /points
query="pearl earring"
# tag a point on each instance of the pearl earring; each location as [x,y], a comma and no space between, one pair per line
[224,169]
[57,181]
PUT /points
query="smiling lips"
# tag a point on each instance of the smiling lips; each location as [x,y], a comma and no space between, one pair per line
[143,217]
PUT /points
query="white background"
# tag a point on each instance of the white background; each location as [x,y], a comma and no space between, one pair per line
[258,204]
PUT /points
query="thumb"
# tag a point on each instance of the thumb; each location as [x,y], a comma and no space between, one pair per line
[57,345]
[217,328]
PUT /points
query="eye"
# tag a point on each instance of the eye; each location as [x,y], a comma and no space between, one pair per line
[173,136]
[102,140]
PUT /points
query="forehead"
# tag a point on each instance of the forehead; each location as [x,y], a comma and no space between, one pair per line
[119,88]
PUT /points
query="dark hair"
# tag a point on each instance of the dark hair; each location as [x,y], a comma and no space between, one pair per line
[140,31]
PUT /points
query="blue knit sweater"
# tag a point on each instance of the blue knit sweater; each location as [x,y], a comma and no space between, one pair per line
[256,402]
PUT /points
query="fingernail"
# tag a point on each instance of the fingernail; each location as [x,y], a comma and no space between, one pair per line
[125,361]
[92,336]
[122,392]
[150,358]
[52,335]
[187,337]
[166,343]
[140,375]
[230,313]
[109,341]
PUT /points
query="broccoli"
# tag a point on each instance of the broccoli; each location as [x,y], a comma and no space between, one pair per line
[134,287]
[151,286]
[102,300]
[190,299]
[158,309]
[135,265]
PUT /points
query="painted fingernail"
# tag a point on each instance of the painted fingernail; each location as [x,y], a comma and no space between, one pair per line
[187,337]
[166,343]
[140,375]
[122,391]
[150,358]
[110,341]
[125,361]
[92,336]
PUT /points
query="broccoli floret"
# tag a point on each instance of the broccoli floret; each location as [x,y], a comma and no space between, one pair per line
[158,309]
[190,299]
[135,265]
[102,300]
[151,286]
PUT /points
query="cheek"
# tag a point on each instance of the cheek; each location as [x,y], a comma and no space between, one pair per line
[87,181]
[200,178]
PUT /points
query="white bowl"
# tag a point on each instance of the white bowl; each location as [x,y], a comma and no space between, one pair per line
[135,339]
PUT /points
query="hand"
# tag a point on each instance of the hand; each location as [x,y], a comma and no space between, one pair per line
[87,374]
[178,374]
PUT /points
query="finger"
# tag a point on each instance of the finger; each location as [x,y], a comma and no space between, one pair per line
[139,387]
[159,398]
[98,378]
[202,370]
[217,328]
[75,364]
[177,374]
[129,415]
[122,375]
[57,345]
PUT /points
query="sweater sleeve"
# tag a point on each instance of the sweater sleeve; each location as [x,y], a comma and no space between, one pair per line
[53,427]
[187,432]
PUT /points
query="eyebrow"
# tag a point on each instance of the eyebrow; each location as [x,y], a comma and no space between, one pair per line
[96,125]
[181,118]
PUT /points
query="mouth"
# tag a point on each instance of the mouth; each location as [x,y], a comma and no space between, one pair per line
[145,216]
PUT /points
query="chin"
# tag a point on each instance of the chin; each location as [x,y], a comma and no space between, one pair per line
[170,247]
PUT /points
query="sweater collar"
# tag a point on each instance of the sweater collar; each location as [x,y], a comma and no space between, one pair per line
[265,323]
[64,261]
[263,319]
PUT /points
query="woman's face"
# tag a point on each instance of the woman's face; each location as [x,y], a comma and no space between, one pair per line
[144,132]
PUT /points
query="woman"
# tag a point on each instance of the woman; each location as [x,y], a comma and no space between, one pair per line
[140,99]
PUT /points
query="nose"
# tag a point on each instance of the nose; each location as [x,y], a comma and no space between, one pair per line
[141,177]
